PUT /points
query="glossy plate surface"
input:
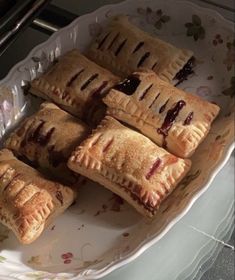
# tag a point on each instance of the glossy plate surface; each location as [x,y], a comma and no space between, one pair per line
[101,233]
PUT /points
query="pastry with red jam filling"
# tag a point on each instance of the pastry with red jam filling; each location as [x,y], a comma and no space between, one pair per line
[129,164]
[173,119]
[124,48]
[29,202]
[47,138]
[77,85]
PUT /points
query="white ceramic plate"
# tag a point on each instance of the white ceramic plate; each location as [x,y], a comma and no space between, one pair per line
[192,244]
[101,233]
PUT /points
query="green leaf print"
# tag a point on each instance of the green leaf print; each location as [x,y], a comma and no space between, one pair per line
[195,28]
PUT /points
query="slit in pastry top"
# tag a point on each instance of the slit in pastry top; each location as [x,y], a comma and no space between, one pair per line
[77,85]
[123,48]
[172,118]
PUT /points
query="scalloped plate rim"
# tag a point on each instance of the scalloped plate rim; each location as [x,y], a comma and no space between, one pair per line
[143,246]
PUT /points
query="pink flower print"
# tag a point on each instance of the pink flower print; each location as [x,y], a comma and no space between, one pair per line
[217,40]
[67,257]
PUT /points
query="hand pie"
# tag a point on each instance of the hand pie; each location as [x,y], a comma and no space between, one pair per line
[129,164]
[76,84]
[47,139]
[28,201]
[172,118]
[123,48]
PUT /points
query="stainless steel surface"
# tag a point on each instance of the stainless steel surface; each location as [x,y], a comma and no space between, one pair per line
[9,36]
[45,25]
[52,18]
[18,24]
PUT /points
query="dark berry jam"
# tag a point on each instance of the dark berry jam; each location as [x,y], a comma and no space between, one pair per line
[44,139]
[153,169]
[185,71]
[55,158]
[129,85]
[97,92]
[34,135]
[59,196]
[91,79]
[142,59]
[163,107]
[37,136]
[188,119]
[169,119]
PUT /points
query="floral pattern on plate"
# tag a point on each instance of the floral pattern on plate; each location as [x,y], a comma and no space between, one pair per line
[156,18]
[99,234]
[195,28]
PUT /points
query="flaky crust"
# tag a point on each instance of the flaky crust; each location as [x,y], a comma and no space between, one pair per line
[48,138]
[129,164]
[123,48]
[149,107]
[76,84]
[28,201]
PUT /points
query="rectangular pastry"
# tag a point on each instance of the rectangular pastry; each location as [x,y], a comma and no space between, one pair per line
[47,139]
[76,84]
[28,201]
[123,48]
[129,164]
[172,118]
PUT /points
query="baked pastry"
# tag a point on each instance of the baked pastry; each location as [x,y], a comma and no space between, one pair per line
[172,118]
[28,201]
[76,84]
[129,164]
[47,139]
[123,48]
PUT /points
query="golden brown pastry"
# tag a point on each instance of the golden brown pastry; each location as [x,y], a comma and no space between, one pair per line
[76,84]
[172,118]
[123,48]
[28,201]
[47,139]
[129,164]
